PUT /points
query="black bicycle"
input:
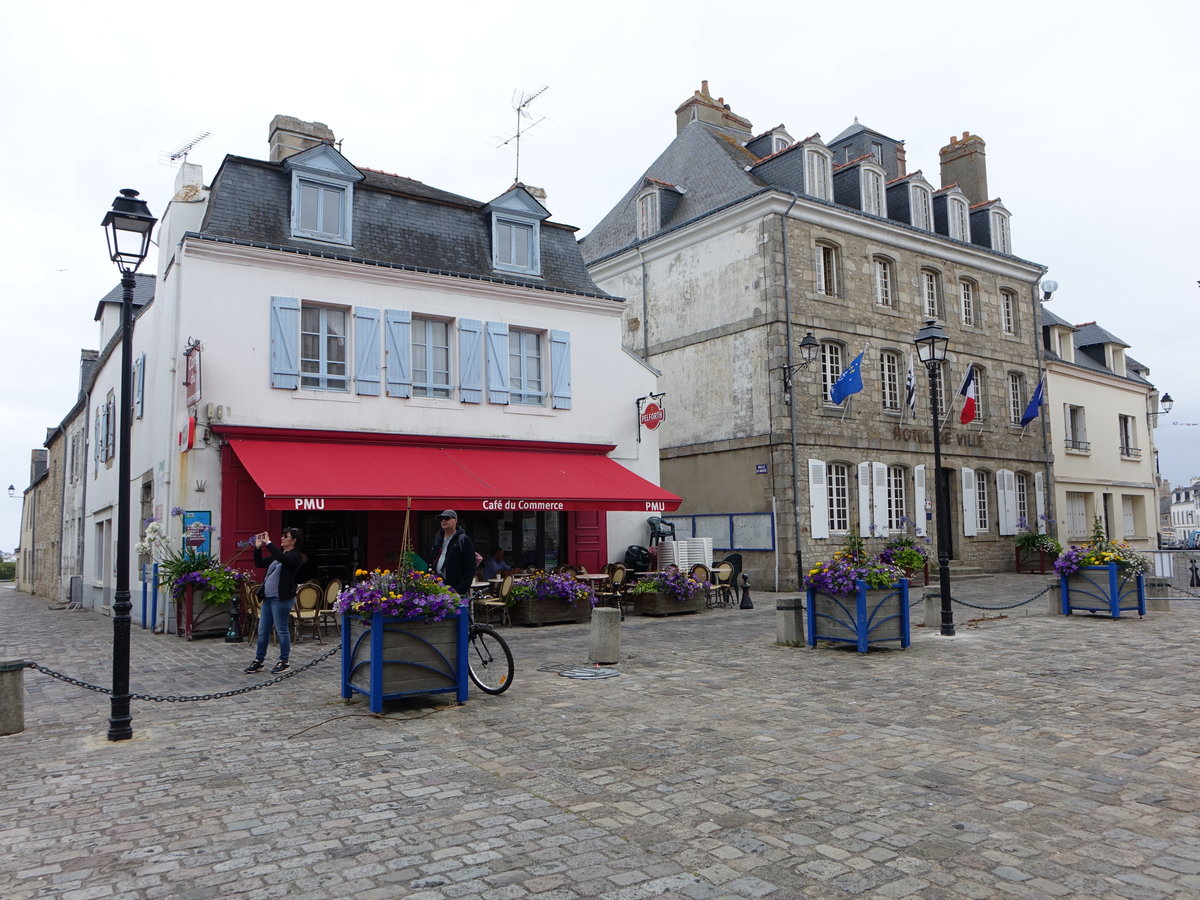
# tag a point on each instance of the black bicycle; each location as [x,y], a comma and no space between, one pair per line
[489,661]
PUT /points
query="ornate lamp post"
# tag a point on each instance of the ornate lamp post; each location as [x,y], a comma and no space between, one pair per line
[127,226]
[931,344]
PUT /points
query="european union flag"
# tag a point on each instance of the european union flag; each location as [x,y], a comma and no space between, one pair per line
[849,382]
[1034,407]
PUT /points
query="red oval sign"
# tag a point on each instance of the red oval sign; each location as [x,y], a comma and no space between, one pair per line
[652,415]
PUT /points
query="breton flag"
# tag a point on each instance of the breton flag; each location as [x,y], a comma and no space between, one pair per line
[910,388]
[968,392]
[1034,407]
[849,382]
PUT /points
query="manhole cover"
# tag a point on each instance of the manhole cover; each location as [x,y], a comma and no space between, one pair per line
[573,670]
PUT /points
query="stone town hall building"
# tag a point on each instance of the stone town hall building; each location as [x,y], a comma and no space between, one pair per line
[733,246]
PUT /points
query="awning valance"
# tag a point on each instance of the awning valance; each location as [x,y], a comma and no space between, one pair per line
[344,475]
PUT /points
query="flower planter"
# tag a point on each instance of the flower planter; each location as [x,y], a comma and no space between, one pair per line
[868,616]
[194,618]
[660,603]
[548,611]
[1035,562]
[386,657]
[1107,589]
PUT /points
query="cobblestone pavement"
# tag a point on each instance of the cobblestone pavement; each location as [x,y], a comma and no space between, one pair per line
[1027,757]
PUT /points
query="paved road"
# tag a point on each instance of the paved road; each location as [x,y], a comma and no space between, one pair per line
[1027,757]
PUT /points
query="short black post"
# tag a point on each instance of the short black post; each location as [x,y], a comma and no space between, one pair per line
[233,635]
[746,604]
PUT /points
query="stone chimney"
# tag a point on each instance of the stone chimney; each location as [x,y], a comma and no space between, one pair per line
[290,136]
[963,163]
[702,107]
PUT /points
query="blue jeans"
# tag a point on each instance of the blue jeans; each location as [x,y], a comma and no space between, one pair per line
[274,614]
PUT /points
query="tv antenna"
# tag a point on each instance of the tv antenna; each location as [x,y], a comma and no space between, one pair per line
[520,104]
[181,154]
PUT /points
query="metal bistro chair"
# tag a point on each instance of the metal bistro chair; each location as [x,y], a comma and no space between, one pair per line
[615,592]
[660,530]
[722,578]
[486,607]
[251,597]
[701,573]
[326,613]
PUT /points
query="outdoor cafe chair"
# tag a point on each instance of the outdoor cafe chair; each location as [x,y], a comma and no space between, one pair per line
[722,579]
[486,607]
[326,613]
[308,609]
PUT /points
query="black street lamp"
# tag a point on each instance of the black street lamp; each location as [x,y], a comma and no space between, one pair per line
[127,226]
[931,344]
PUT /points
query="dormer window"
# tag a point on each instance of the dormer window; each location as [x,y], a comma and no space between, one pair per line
[959,218]
[648,214]
[779,142]
[818,174]
[921,204]
[322,195]
[1001,240]
[516,232]
[874,198]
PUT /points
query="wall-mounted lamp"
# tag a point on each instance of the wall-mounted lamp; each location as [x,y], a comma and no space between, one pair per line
[12,490]
[808,352]
[1049,286]
[1165,404]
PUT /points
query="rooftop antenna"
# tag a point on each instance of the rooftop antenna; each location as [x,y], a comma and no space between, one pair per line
[181,154]
[520,103]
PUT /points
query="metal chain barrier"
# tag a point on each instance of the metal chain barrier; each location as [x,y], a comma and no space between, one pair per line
[1041,593]
[173,698]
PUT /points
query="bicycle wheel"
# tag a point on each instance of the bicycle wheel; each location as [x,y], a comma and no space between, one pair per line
[489,661]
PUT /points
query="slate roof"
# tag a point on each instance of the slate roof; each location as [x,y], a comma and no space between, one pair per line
[706,164]
[143,293]
[855,127]
[1087,338]
[397,221]
[1089,334]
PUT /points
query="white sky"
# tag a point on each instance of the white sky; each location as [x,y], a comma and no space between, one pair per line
[1090,118]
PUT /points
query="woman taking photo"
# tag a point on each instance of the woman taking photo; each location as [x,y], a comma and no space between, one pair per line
[279,592]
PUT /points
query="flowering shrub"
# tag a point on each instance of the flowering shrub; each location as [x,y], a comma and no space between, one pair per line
[408,593]
[1100,551]
[904,553]
[547,586]
[179,568]
[1033,541]
[838,574]
[671,581]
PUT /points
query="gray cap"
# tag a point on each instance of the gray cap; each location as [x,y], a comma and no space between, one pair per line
[448,514]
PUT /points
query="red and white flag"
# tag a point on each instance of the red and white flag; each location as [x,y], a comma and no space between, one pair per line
[968,392]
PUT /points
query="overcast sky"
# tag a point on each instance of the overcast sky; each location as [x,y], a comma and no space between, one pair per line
[1090,119]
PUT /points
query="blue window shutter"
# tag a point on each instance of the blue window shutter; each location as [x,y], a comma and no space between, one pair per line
[285,343]
[470,360]
[139,385]
[560,368]
[397,339]
[366,351]
[497,362]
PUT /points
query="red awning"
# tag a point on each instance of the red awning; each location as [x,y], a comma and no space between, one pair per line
[346,475]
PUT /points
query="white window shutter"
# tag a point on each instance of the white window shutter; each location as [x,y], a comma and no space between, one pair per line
[919,498]
[818,499]
[1039,499]
[970,508]
[865,522]
[879,498]
[1006,490]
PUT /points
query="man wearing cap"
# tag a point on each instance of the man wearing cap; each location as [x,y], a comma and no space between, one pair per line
[453,554]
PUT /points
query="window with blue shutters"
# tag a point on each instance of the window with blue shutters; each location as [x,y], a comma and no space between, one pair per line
[431,358]
[323,363]
[525,373]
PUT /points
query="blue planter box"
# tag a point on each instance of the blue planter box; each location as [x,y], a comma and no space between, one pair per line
[868,616]
[1103,589]
[386,657]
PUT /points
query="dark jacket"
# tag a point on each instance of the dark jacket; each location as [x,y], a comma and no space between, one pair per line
[459,570]
[289,563]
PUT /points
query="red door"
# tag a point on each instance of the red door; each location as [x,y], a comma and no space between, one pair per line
[587,544]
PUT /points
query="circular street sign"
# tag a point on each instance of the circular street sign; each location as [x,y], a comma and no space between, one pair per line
[652,416]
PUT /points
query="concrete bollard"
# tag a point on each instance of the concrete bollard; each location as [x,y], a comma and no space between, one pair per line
[12,696]
[789,622]
[604,645]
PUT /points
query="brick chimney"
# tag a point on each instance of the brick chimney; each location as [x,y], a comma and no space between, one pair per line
[963,163]
[703,108]
[289,136]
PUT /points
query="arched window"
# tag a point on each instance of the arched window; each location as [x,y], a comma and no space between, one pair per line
[959,216]
[982,501]
[1008,312]
[647,208]
[818,174]
[825,268]
[885,281]
[890,366]
[931,294]
[1001,239]
[1021,489]
[967,297]
[831,367]
[838,497]
[980,393]
[897,515]
[1016,397]
[922,207]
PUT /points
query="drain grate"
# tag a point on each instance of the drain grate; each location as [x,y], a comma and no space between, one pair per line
[584,671]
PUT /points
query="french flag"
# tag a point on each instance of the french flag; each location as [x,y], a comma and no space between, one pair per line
[968,392]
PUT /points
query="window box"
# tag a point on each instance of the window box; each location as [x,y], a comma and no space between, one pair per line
[386,657]
[1106,589]
[869,616]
